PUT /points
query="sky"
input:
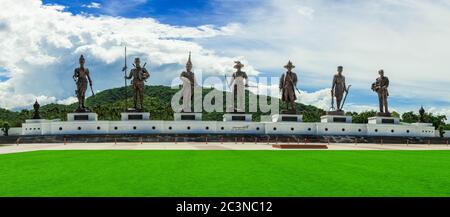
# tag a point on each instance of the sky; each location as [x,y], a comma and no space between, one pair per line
[42,41]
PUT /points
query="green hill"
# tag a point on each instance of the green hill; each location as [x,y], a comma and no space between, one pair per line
[108,104]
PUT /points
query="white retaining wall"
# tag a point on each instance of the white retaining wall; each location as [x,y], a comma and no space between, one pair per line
[56,127]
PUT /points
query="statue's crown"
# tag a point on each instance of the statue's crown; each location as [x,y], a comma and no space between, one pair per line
[189,62]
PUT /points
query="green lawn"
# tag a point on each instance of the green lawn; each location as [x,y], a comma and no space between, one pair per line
[225,173]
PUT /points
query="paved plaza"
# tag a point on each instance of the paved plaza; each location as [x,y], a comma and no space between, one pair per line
[12,148]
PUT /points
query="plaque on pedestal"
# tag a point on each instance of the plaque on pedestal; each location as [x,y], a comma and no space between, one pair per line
[287,118]
[135,116]
[186,116]
[384,120]
[336,119]
[82,117]
[237,117]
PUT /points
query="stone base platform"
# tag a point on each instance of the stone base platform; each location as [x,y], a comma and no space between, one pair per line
[336,119]
[237,117]
[287,118]
[135,116]
[298,146]
[82,117]
[383,120]
[336,113]
[187,116]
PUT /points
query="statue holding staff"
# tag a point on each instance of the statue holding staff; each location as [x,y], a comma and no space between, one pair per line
[81,77]
[139,75]
[189,83]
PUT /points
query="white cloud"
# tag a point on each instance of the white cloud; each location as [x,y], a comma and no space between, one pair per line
[67,101]
[41,44]
[407,38]
[95,5]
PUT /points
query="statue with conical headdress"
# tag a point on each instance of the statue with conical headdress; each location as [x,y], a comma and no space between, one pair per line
[81,77]
[422,115]
[36,114]
[288,85]
[189,83]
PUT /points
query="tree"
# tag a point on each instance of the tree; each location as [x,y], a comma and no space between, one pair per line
[410,117]
[362,118]
[437,121]
[5,128]
[441,131]
[395,114]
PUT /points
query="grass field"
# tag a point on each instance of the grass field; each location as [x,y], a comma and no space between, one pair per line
[225,173]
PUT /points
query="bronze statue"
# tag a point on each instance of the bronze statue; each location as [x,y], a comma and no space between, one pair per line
[422,115]
[139,75]
[189,83]
[239,82]
[81,76]
[381,88]
[288,87]
[338,88]
[36,114]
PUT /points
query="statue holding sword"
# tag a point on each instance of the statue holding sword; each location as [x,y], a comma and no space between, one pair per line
[338,89]
[81,77]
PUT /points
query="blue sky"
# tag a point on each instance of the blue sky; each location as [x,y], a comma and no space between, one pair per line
[407,38]
[174,12]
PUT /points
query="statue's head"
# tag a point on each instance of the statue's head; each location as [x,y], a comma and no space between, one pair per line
[82,60]
[137,62]
[381,72]
[289,66]
[238,65]
[340,69]
[189,63]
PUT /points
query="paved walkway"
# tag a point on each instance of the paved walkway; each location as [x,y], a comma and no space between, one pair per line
[6,149]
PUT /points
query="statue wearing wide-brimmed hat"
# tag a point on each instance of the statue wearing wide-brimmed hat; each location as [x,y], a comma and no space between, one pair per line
[239,82]
[288,88]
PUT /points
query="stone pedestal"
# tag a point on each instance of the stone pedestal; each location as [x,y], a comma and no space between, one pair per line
[82,117]
[383,120]
[237,117]
[135,116]
[336,119]
[336,113]
[287,118]
[187,116]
